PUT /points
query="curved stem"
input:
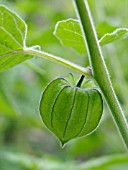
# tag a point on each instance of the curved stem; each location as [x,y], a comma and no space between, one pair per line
[45,55]
[100,71]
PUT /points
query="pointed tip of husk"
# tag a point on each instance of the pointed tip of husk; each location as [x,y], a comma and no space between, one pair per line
[62,143]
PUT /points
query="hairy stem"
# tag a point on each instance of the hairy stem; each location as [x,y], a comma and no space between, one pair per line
[45,55]
[99,68]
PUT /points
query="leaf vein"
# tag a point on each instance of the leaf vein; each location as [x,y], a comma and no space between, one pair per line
[70,113]
[10,35]
[86,115]
[55,103]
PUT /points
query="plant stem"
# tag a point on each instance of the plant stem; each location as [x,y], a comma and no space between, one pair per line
[80,81]
[42,54]
[99,68]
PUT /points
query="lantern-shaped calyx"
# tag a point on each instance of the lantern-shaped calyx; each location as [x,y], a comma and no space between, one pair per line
[70,111]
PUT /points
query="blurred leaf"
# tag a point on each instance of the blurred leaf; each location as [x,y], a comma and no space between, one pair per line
[13,32]
[82,146]
[16,162]
[69,34]
[119,33]
[34,163]
[5,108]
[8,99]
[113,162]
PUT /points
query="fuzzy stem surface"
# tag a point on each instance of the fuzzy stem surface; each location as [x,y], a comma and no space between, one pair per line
[99,69]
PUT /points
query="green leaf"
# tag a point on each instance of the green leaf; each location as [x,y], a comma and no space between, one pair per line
[113,162]
[13,32]
[70,111]
[118,34]
[69,34]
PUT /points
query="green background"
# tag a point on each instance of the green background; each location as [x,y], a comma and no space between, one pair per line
[25,143]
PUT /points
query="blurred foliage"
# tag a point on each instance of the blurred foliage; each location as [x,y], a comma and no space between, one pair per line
[22,134]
